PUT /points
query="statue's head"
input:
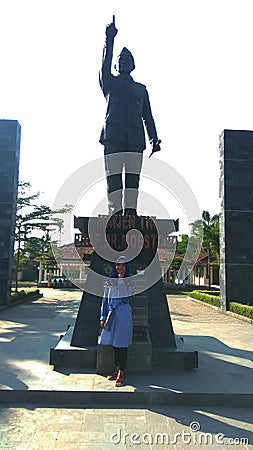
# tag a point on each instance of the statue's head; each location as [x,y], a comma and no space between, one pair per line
[125,62]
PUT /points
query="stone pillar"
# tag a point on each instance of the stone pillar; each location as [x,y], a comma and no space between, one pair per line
[9,157]
[236,220]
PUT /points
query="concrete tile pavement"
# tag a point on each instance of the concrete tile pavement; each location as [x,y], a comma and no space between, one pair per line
[225,367]
[156,428]
[29,330]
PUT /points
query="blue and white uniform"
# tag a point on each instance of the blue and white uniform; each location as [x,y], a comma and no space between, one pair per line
[117,313]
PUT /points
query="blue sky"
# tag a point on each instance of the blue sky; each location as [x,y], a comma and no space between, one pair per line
[194,56]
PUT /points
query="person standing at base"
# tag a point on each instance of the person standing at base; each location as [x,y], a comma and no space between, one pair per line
[123,134]
[116,317]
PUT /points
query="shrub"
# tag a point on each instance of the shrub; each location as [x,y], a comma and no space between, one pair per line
[207,298]
[24,294]
[212,298]
[243,310]
[209,292]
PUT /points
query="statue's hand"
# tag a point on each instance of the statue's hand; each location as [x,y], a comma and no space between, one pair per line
[155,147]
[111,30]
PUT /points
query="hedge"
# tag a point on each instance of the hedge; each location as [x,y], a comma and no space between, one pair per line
[24,294]
[211,292]
[243,310]
[207,298]
[212,298]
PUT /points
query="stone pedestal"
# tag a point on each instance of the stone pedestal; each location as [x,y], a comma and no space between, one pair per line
[151,299]
[9,157]
[139,359]
[236,222]
[154,343]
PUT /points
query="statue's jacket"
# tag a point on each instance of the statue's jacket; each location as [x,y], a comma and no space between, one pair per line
[128,107]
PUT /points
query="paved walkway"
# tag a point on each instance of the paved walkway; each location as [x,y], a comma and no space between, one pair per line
[225,369]
[156,428]
[29,330]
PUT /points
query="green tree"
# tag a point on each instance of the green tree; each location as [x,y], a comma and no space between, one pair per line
[209,225]
[182,244]
[33,223]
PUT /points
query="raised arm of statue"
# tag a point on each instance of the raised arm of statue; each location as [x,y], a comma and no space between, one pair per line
[111,30]
[105,73]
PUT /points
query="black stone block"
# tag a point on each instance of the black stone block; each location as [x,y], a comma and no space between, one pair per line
[240,199]
[239,283]
[9,156]
[238,230]
[9,136]
[236,224]
[4,269]
[238,145]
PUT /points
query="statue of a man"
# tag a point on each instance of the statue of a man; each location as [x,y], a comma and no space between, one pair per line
[123,134]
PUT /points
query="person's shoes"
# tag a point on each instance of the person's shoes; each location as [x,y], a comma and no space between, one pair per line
[119,381]
[113,376]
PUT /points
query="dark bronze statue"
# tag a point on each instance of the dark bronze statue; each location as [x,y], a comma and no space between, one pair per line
[123,134]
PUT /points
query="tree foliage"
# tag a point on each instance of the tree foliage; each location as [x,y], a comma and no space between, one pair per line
[182,244]
[204,231]
[33,225]
[210,242]
[210,226]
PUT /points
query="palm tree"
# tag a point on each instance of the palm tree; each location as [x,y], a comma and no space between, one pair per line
[210,242]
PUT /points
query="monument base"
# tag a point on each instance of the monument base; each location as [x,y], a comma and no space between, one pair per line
[154,344]
[182,357]
[139,359]
[142,357]
[66,355]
